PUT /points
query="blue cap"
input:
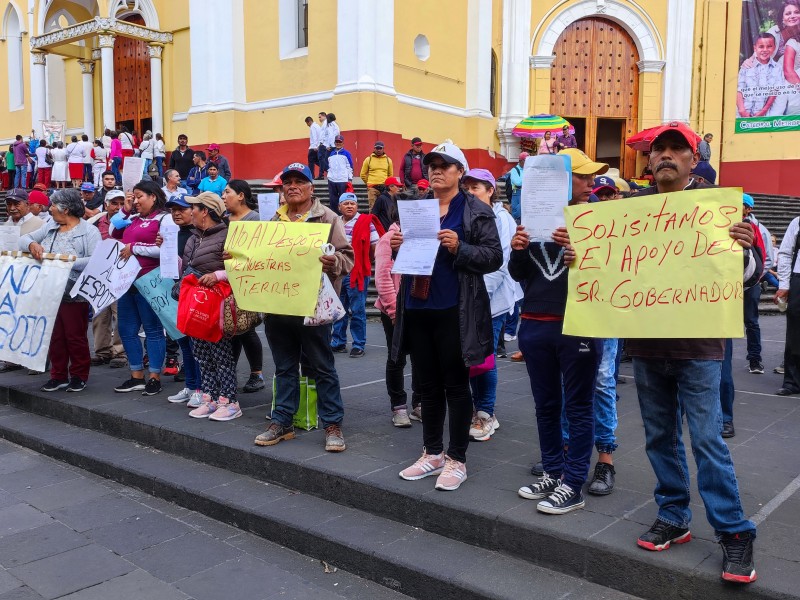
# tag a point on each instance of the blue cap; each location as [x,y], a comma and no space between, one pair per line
[300,169]
[87,187]
[603,182]
[748,201]
[706,171]
[348,197]
[178,200]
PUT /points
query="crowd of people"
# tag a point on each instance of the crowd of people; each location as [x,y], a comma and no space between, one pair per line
[489,284]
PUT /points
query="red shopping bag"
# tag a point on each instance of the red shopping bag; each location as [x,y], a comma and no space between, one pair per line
[200,309]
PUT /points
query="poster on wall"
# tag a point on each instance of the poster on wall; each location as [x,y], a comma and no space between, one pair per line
[768,92]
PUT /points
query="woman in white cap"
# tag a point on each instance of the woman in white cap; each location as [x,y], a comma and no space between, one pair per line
[444,319]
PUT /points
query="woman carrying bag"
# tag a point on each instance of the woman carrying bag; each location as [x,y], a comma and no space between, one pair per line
[203,257]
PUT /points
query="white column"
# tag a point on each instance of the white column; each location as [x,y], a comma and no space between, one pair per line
[156,93]
[479,57]
[515,86]
[365,52]
[87,72]
[38,90]
[678,68]
[107,69]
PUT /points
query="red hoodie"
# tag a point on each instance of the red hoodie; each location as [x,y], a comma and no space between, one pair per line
[360,242]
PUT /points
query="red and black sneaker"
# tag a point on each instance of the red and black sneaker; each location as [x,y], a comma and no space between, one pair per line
[737,557]
[661,535]
[171,367]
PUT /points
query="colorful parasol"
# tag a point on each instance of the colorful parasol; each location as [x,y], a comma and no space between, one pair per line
[536,126]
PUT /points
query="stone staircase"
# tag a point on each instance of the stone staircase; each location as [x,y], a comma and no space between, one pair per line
[775,213]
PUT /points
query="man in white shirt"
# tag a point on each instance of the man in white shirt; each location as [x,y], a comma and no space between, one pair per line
[19,212]
[789,292]
[87,158]
[314,140]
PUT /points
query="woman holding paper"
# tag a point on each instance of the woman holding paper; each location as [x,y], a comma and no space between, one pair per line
[137,225]
[67,233]
[445,320]
[241,205]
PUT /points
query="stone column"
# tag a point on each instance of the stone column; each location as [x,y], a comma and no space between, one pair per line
[38,90]
[107,70]
[87,71]
[515,74]
[156,93]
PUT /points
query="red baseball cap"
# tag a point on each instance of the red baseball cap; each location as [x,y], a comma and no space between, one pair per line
[393,181]
[213,147]
[689,134]
[276,181]
[38,197]
[424,184]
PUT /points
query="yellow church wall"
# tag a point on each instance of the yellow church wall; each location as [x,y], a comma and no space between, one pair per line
[442,77]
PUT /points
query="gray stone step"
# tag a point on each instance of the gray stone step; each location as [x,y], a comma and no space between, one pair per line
[401,557]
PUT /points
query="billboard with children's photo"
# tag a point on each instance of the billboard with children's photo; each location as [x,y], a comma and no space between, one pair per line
[768,92]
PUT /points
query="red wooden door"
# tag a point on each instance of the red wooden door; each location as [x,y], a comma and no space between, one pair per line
[132,81]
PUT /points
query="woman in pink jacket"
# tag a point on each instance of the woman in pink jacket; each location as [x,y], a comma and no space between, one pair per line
[388,286]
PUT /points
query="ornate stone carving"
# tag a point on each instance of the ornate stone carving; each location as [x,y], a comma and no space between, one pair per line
[87,67]
[155,50]
[39,58]
[601,6]
[651,66]
[107,40]
[105,28]
[96,53]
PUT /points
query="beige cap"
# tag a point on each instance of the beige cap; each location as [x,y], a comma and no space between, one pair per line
[210,200]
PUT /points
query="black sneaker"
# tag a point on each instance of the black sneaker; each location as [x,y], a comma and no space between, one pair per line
[563,500]
[603,480]
[356,353]
[339,349]
[54,385]
[540,489]
[152,388]
[537,470]
[76,384]
[180,376]
[661,535]
[756,367]
[737,557]
[255,383]
[134,384]
[728,430]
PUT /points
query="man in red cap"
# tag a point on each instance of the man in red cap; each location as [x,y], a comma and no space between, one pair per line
[39,204]
[222,163]
[682,376]
[424,189]
[385,207]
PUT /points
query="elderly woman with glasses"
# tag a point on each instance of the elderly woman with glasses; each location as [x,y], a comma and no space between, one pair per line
[68,233]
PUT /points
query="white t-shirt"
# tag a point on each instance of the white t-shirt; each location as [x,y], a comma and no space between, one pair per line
[126,140]
[41,160]
[75,152]
[87,151]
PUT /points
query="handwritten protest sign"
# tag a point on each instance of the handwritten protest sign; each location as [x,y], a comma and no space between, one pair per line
[661,266]
[30,294]
[107,276]
[275,266]
[158,292]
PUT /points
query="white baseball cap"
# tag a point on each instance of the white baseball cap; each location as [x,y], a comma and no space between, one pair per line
[448,152]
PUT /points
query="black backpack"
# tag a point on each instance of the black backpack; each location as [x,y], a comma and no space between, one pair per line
[509,186]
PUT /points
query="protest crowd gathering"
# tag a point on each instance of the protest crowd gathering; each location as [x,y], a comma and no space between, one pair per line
[490,283]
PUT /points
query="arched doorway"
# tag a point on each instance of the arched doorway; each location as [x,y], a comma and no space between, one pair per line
[132,104]
[595,85]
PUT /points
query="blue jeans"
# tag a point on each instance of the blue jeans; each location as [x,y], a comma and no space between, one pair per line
[355,306]
[549,357]
[190,367]
[160,164]
[133,312]
[512,319]
[664,387]
[726,389]
[516,205]
[752,328]
[19,176]
[288,338]
[771,279]
[484,387]
[115,163]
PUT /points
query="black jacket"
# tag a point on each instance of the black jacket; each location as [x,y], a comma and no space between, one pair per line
[478,254]
[541,271]
[407,167]
[183,164]
[385,208]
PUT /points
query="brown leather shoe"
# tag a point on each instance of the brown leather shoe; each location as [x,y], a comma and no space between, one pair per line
[517,356]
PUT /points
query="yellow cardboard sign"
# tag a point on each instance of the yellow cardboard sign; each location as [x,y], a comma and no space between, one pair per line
[275,266]
[660,266]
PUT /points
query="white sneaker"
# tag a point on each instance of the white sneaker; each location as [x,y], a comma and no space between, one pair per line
[509,338]
[482,426]
[226,410]
[180,397]
[400,418]
[197,398]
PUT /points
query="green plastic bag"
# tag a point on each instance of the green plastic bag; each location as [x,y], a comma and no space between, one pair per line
[306,416]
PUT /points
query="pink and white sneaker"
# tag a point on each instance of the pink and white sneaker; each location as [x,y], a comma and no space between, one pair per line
[426,465]
[226,410]
[206,409]
[197,398]
[454,474]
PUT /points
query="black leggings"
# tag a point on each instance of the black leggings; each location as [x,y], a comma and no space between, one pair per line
[433,340]
[252,349]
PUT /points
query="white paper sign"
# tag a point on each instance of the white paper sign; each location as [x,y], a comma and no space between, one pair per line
[107,276]
[268,206]
[546,190]
[132,172]
[30,294]
[168,259]
[9,237]
[419,222]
